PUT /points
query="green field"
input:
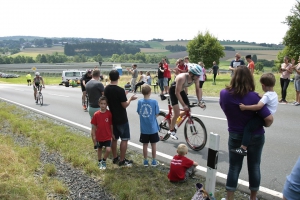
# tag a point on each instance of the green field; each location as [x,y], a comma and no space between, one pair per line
[33,52]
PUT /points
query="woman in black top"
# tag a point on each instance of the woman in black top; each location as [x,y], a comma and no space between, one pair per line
[160,76]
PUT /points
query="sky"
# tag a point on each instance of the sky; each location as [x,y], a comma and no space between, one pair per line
[253,21]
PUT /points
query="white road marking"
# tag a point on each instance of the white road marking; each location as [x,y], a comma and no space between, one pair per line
[204,169]
[205,116]
[58,95]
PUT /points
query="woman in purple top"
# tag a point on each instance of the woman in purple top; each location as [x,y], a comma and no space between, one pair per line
[241,90]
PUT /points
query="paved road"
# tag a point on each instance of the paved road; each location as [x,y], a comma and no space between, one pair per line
[279,154]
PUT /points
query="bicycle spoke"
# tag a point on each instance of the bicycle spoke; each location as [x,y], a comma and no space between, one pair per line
[163,126]
[195,134]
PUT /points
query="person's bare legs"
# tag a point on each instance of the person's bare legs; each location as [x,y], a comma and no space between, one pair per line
[253,195]
[123,148]
[176,111]
[114,144]
[145,150]
[230,195]
[107,152]
[201,92]
[153,149]
[298,96]
[99,153]
[83,97]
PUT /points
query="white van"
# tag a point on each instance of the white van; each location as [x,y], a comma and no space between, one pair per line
[71,74]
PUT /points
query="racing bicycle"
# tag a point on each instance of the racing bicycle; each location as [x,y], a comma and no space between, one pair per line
[194,129]
[39,95]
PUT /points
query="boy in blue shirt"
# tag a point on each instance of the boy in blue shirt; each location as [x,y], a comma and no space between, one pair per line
[148,110]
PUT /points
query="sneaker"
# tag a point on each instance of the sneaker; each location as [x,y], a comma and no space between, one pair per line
[297,104]
[281,101]
[146,163]
[284,101]
[154,163]
[125,163]
[116,160]
[129,161]
[294,102]
[173,135]
[84,107]
[239,151]
[103,165]
[100,164]
[162,97]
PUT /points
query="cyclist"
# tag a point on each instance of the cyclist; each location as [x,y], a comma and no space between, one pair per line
[83,81]
[37,83]
[177,93]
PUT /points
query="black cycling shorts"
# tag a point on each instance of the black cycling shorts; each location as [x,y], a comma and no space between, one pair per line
[201,84]
[174,100]
[146,138]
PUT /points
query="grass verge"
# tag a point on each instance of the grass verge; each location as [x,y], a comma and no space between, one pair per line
[137,182]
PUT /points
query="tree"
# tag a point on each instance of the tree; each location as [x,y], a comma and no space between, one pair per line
[259,66]
[98,58]
[205,48]
[291,39]
[254,58]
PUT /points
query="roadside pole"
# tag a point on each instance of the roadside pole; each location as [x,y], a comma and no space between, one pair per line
[212,163]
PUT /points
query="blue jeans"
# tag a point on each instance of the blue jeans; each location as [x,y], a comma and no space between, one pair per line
[161,84]
[254,151]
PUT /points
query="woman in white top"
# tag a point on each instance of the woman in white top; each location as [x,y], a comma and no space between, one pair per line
[297,81]
[202,78]
[148,77]
[142,80]
[286,70]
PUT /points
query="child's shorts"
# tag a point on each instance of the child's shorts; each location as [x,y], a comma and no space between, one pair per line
[146,138]
[104,144]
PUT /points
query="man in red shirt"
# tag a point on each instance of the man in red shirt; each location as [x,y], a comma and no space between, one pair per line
[182,68]
[181,167]
[167,75]
[251,65]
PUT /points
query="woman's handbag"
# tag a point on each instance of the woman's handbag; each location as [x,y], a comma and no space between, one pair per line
[200,194]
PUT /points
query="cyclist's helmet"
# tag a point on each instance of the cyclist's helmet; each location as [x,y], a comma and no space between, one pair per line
[195,69]
[37,73]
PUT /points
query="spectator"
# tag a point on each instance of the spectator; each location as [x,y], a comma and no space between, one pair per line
[251,65]
[160,76]
[286,70]
[102,131]
[297,81]
[28,78]
[142,80]
[236,62]
[117,103]
[127,87]
[148,77]
[241,90]
[215,70]
[291,189]
[148,110]
[181,67]
[134,75]
[83,81]
[167,75]
[202,79]
[181,167]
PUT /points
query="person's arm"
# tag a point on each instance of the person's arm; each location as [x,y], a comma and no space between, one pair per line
[112,132]
[195,163]
[94,128]
[127,103]
[289,69]
[231,66]
[255,107]
[130,70]
[83,82]
[197,89]
[269,120]
[43,82]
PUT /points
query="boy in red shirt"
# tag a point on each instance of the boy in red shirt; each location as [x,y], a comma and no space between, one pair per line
[181,167]
[102,131]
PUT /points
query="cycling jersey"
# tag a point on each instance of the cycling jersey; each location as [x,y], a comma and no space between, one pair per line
[37,80]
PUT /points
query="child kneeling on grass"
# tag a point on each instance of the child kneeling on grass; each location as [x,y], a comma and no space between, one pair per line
[102,131]
[181,167]
[148,110]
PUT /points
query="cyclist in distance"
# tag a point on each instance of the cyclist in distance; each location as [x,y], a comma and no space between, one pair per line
[37,80]
[177,93]
[83,81]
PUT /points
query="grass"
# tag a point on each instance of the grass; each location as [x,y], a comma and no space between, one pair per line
[150,50]
[33,52]
[208,88]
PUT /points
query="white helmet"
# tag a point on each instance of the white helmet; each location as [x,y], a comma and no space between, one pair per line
[195,69]
[37,73]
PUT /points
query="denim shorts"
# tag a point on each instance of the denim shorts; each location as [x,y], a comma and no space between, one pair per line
[122,131]
[165,81]
[254,151]
[104,144]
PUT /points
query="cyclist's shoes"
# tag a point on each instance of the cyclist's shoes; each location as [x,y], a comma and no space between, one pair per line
[173,135]
[202,104]
[84,107]
[239,151]
[116,160]
[125,163]
[146,163]
[154,163]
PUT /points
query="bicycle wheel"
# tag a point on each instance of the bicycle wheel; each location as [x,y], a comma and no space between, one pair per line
[163,124]
[195,133]
[41,99]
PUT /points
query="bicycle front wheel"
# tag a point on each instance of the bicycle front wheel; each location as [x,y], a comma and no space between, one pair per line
[41,99]
[163,125]
[195,133]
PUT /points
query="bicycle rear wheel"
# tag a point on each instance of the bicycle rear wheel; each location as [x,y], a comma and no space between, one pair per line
[195,133]
[163,124]
[41,99]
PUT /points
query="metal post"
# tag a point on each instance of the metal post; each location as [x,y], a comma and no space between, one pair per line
[212,162]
